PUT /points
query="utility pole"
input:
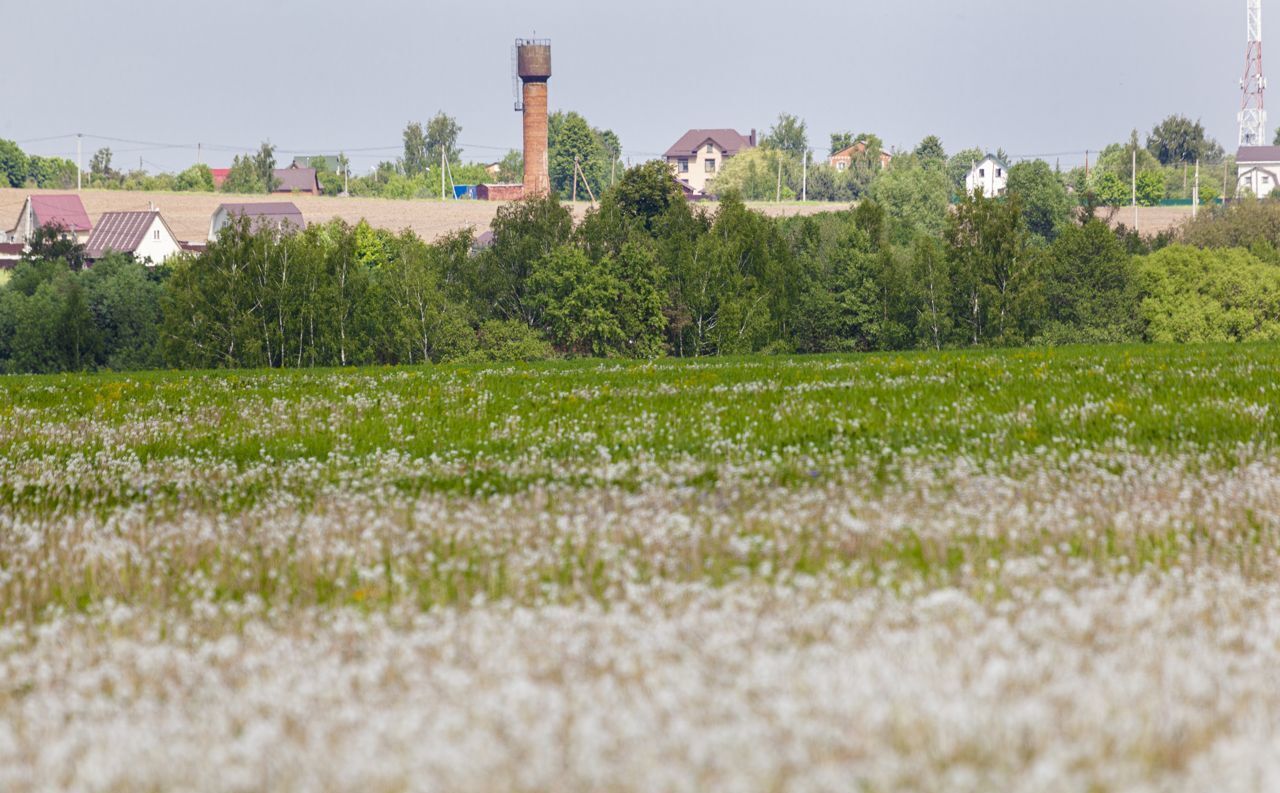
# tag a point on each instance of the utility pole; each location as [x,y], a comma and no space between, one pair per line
[1086,165]
[1133,183]
[575,179]
[1195,197]
[441,174]
[79,159]
[199,154]
[804,180]
[778,196]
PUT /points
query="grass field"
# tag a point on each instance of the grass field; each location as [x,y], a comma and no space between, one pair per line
[1023,571]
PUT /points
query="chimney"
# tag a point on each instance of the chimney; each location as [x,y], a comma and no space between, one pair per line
[752,139]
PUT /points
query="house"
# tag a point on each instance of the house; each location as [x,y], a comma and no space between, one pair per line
[700,154]
[499,192]
[64,211]
[282,215]
[10,255]
[296,180]
[143,234]
[219,176]
[493,168]
[1258,170]
[843,159]
[991,176]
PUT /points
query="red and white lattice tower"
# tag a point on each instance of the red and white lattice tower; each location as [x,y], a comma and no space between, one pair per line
[1253,109]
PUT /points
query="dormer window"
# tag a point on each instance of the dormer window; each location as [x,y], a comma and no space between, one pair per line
[710,149]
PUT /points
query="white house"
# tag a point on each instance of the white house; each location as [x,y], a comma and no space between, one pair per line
[65,212]
[144,234]
[1258,170]
[991,176]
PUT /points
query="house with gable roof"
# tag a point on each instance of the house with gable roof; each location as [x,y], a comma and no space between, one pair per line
[282,215]
[1258,170]
[700,154]
[991,176]
[62,211]
[143,234]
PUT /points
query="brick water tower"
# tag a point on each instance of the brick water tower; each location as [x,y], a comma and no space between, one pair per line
[532,71]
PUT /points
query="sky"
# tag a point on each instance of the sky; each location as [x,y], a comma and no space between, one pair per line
[151,78]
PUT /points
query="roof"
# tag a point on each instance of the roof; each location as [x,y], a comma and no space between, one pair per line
[859,148]
[66,211]
[265,213]
[122,232]
[295,178]
[727,139]
[219,175]
[9,251]
[1258,154]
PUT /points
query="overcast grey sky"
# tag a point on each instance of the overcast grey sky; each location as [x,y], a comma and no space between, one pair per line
[1036,77]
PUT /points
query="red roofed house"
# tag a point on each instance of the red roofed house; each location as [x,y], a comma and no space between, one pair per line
[700,154]
[219,176]
[145,235]
[64,211]
[296,180]
[843,159]
[281,214]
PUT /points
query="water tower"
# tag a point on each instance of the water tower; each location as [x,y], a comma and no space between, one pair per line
[532,71]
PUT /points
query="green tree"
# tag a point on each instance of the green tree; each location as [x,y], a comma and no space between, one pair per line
[1178,139]
[994,283]
[54,172]
[569,136]
[523,233]
[1150,188]
[787,135]
[931,279]
[243,177]
[100,168]
[1089,287]
[841,141]
[511,167]
[264,165]
[417,159]
[1191,295]
[197,178]
[915,198]
[53,243]
[442,137]
[1046,207]
[930,150]
[13,165]
[574,302]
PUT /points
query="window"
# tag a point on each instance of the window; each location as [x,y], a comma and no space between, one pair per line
[710,149]
[982,173]
[998,174]
[841,165]
[684,165]
[155,235]
[711,165]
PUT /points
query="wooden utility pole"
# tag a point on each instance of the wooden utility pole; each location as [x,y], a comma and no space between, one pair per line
[79,159]
[1086,165]
[442,174]
[575,179]
[777,198]
[199,154]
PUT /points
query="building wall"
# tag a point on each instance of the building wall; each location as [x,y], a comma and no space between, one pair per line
[990,176]
[500,192]
[157,244]
[1259,178]
[697,176]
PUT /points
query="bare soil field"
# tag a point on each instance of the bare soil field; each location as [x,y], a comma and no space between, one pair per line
[188,213]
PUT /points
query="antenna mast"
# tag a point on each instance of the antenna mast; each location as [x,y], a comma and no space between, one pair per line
[1253,112]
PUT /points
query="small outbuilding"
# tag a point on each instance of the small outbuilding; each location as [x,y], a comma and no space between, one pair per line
[145,235]
[282,215]
[499,192]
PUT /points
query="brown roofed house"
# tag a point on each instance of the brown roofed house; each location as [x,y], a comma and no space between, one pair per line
[296,179]
[283,215]
[63,211]
[700,154]
[843,159]
[145,235]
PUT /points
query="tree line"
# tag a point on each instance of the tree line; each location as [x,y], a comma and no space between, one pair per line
[646,274]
